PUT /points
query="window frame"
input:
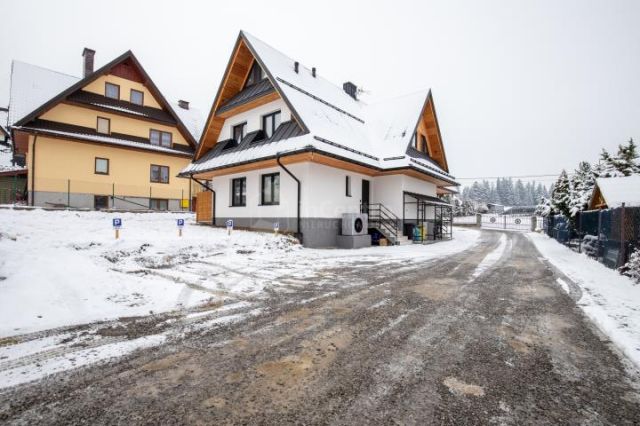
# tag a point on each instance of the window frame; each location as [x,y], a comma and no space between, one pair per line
[243,125]
[243,192]
[251,75]
[95,166]
[160,133]
[424,142]
[159,181]
[108,120]
[347,186]
[272,184]
[107,84]
[166,201]
[131,91]
[273,122]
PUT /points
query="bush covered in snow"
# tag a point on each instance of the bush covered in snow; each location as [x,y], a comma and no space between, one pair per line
[590,245]
[632,267]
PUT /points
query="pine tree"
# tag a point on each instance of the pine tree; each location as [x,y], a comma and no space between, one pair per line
[624,163]
[560,198]
[582,183]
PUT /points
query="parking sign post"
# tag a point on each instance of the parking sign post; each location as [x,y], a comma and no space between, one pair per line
[229,226]
[180,226]
[117,224]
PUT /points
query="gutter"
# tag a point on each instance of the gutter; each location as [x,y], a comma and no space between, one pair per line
[298,234]
[208,188]
[33,170]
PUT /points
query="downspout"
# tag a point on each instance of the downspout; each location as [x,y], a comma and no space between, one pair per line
[298,235]
[204,185]
[33,170]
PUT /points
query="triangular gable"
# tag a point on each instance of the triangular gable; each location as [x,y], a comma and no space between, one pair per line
[233,81]
[429,127]
[126,66]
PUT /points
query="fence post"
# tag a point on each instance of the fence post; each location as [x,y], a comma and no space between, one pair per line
[622,257]
[478,220]
[599,232]
[113,196]
[505,220]
[68,193]
[534,222]
[15,189]
[181,199]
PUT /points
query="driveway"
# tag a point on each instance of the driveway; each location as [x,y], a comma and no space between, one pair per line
[484,336]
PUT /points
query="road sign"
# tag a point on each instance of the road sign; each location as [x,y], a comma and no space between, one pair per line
[180,223]
[276,227]
[230,223]
[117,223]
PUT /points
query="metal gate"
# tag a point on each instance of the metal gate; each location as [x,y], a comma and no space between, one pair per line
[511,222]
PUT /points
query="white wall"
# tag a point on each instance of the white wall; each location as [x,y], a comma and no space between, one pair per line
[324,192]
[389,191]
[253,118]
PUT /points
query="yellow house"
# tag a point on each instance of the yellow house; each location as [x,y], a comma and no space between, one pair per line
[107,140]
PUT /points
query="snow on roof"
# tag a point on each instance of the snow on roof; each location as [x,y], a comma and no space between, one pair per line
[4,116]
[376,134]
[32,86]
[618,190]
[192,119]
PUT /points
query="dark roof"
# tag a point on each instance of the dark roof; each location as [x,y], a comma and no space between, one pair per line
[248,94]
[414,153]
[286,130]
[90,134]
[101,101]
[427,199]
[95,75]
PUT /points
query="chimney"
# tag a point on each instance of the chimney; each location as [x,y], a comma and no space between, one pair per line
[296,65]
[351,89]
[88,55]
[183,104]
[313,72]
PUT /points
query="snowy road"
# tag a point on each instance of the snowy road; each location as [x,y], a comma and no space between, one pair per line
[487,335]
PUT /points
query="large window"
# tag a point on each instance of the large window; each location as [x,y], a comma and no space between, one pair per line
[270,189]
[158,204]
[102,166]
[423,144]
[112,91]
[159,174]
[136,97]
[255,75]
[348,186]
[239,192]
[270,123]
[158,137]
[103,125]
[238,132]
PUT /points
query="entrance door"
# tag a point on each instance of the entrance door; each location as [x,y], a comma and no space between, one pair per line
[365,196]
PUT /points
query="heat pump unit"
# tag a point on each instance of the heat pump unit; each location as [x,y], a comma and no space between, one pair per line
[355,224]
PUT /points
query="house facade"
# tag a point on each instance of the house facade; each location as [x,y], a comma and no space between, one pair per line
[107,140]
[283,146]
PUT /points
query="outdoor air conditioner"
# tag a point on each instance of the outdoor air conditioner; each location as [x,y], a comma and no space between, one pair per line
[355,224]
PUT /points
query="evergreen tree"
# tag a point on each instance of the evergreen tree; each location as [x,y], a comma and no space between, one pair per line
[560,198]
[582,183]
[624,163]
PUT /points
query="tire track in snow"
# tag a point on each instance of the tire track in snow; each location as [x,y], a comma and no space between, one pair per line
[492,258]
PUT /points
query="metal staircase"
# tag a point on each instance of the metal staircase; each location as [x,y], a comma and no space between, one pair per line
[383,219]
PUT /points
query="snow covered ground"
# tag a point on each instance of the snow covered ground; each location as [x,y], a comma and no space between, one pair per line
[611,300]
[61,268]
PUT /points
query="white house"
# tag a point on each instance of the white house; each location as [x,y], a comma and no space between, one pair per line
[283,145]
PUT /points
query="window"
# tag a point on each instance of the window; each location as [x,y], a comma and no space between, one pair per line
[255,75]
[112,91]
[159,174]
[136,97]
[270,123]
[423,144]
[237,132]
[100,202]
[270,189]
[158,204]
[348,186]
[158,137]
[102,166]
[104,125]
[239,192]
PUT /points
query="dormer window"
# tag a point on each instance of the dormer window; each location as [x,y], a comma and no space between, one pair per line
[270,123]
[112,91]
[238,132]
[256,75]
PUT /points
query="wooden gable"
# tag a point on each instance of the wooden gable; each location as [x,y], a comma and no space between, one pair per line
[232,83]
[128,70]
[429,128]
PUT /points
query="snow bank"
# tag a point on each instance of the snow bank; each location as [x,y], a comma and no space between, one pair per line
[611,300]
[60,268]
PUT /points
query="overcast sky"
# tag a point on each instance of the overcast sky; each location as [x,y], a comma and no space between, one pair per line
[520,87]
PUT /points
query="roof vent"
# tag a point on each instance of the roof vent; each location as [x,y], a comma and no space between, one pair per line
[88,55]
[296,66]
[183,104]
[351,89]
[313,72]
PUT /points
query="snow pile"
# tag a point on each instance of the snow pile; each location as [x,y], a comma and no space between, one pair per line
[61,268]
[632,267]
[608,298]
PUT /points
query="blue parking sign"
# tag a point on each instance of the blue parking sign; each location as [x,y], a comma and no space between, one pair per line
[117,223]
[180,223]
[230,223]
